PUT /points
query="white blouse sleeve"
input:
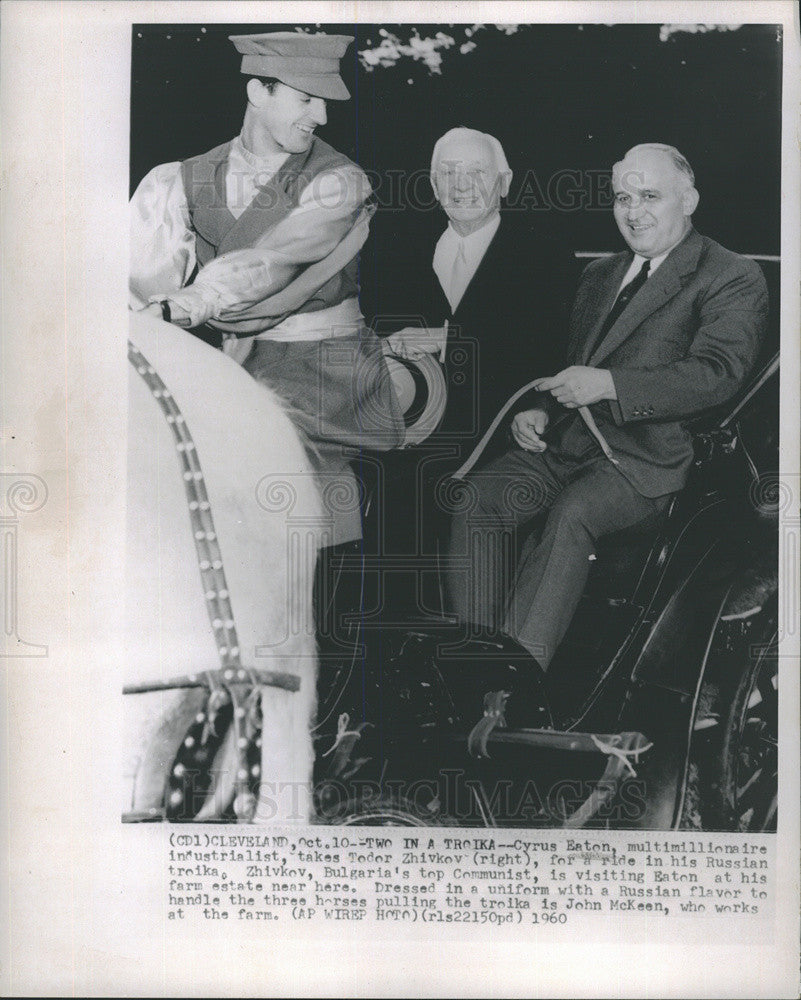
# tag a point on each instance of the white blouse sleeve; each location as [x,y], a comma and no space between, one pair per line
[162,244]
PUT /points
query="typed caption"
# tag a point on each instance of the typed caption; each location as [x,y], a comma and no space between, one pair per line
[445,877]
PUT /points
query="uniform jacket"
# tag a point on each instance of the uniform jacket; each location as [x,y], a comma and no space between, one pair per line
[217,231]
[337,391]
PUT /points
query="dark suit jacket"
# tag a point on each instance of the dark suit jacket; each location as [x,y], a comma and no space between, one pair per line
[509,327]
[685,344]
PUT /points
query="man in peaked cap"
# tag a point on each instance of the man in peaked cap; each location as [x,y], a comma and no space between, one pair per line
[258,240]
[309,63]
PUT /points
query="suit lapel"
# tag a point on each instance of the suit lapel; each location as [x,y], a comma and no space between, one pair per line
[599,302]
[484,272]
[656,291]
[440,307]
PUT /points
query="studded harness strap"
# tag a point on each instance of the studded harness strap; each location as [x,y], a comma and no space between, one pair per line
[233,682]
[212,575]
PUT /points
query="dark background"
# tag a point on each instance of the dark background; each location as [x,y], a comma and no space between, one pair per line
[559,97]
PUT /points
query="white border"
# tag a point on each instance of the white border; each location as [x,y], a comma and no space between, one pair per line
[83,911]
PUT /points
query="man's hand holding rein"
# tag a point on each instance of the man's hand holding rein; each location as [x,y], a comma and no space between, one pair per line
[579,385]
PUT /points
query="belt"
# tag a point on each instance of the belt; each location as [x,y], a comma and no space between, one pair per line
[342,320]
[323,324]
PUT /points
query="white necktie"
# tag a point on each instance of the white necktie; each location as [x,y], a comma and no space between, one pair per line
[459,277]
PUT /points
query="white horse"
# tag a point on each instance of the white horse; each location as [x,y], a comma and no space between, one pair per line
[223,528]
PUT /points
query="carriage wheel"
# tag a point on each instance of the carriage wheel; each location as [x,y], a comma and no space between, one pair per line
[378,810]
[741,766]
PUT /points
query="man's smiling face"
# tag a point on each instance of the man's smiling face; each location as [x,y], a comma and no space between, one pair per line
[291,118]
[467,182]
[653,201]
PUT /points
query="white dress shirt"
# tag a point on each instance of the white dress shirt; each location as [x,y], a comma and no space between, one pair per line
[638,262]
[246,173]
[456,258]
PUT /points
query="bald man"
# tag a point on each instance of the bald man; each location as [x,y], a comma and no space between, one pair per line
[658,334]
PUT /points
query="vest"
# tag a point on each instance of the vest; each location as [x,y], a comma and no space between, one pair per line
[218,232]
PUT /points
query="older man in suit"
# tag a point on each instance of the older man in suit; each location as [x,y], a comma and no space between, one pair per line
[491,292]
[489,296]
[658,335]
